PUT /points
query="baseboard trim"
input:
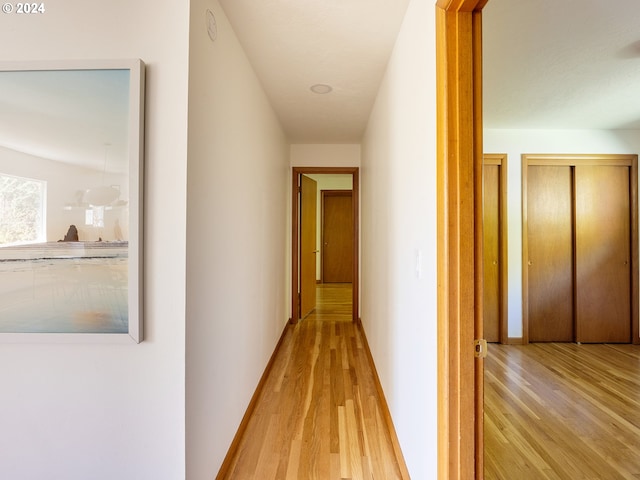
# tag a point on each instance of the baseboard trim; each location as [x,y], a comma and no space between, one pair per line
[515,341]
[227,463]
[385,407]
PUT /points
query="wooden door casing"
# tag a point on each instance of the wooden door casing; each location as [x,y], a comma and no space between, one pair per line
[337,236]
[603,260]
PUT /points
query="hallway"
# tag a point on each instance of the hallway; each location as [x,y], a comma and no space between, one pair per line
[319,415]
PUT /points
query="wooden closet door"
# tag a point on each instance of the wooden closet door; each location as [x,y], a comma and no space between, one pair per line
[491,252]
[603,270]
[550,253]
[308,247]
[337,237]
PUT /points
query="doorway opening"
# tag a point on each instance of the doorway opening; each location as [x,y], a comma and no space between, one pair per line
[325,239]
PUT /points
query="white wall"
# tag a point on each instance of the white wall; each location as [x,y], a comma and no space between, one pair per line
[102,412]
[517,142]
[399,307]
[238,179]
[325,155]
[64,181]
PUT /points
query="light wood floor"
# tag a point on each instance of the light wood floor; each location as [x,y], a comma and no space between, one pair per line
[562,411]
[319,415]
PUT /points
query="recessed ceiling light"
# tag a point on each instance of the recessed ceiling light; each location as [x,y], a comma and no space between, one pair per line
[321,88]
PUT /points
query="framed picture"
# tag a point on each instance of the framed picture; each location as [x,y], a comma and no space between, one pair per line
[71,201]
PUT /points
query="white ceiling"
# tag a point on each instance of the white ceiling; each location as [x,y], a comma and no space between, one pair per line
[293,44]
[562,64]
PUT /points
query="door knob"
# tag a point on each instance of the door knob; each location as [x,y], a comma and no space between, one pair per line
[530,263]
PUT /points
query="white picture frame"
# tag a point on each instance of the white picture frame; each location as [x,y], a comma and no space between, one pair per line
[76,129]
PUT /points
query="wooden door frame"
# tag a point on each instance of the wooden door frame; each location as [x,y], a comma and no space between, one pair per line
[323,194]
[355,174]
[500,159]
[459,197]
[572,160]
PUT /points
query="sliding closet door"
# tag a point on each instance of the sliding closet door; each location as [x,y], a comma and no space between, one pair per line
[603,258]
[550,253]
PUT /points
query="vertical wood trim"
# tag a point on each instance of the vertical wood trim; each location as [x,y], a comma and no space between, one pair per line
[635,318]
[574,248]
[445,402]
[459,151]
[322,194]
[525,254]
[574,252]
[478,150]
[355,286]
[504,251]
[295,241]
[466,299]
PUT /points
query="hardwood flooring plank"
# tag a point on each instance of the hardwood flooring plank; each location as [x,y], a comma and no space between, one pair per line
[269,458]
[345,463]
[354,445]
[337,398]
[294,460]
